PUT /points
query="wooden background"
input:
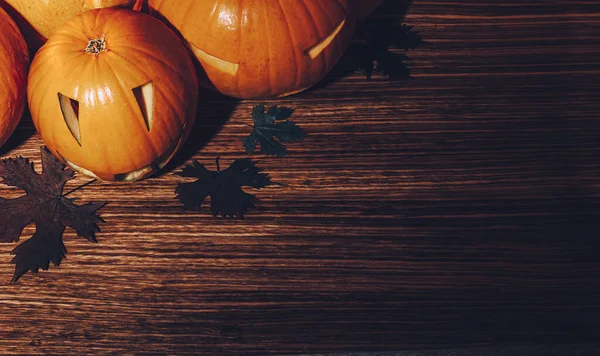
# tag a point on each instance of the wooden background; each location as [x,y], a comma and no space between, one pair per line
[459,208]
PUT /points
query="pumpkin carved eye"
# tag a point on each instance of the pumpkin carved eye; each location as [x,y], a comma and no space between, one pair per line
[70,111]
[216,62]
[144,95]
[318,48]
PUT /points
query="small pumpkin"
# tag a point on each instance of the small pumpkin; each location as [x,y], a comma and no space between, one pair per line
[14,61]
[38,19]
[113,93]
[263,48]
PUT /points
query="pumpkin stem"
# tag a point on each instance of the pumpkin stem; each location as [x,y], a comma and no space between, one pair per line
[138,5]
[96,46]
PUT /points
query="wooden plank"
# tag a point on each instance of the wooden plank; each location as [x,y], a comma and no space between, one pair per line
[456,209]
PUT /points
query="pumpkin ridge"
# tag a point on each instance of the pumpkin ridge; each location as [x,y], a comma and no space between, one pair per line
[240,46]
[88,16]
[323,54]
[125,93]
[269,55]
[292,41]
[150,55]
[94,64]
[332,23]
[96,16]
[59,42]
[68,30]
[157,89]
[120,86]
[315,28]
[187,13]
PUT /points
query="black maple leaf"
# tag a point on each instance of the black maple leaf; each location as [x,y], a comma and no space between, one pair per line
[271,131]
[224,187]
[45,205]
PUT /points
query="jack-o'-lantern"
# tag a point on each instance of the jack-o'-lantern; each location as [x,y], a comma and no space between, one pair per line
[113,93]
[38,19]
[262,48]
[13,76]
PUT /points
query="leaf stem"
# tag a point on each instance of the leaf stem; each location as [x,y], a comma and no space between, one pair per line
[81,186]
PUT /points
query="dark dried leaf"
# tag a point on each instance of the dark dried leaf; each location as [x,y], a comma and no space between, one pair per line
[271,132]
[224,188]
[45,205]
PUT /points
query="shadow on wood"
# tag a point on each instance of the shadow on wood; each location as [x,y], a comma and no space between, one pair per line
[391,12]
[22,133]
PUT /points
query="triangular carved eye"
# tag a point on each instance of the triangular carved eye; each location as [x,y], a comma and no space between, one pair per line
[70,112]
[144,95]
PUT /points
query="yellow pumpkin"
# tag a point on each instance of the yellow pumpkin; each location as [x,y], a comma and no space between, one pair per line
[13,76]
[38,19]
[262,48]
[113,93]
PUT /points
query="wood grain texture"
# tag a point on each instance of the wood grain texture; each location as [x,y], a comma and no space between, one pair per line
[456,209]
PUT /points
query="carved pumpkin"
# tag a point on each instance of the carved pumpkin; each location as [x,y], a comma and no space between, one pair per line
[113,93]
[13,76]
[263,48]
[38,19]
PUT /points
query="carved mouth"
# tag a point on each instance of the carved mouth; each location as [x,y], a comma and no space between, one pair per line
[317,49]
[140,173]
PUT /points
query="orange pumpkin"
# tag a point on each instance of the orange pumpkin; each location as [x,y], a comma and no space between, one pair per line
[263,48]
[13,76]
[113,93]
[38,19]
